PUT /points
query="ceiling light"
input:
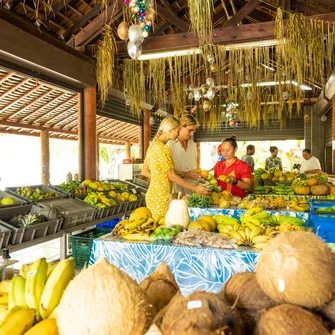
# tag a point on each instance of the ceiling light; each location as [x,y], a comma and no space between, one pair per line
[268,67]
[303,87]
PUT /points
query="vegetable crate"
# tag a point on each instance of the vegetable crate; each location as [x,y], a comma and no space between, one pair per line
[323,220]
[141,182]
[73,211]
[12,190]
[81,244]
[18,201]
[25,234]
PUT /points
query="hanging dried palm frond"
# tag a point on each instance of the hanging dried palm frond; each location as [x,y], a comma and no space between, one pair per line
[201,19]
[156,80]
[105,62]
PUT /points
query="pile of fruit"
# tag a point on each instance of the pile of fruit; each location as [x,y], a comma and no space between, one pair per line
[264,202]
[262,189]
[274,175]
[73,188]
[105,186]
[299,205]
[201,201]
[35,194]
[311,186]
[100,200]
[123,197]
[164,233]
[6,201]
[138,227]
[32,297]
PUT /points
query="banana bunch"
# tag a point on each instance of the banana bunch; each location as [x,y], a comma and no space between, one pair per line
[289,227]
[100,200]
[137,230]
[255,217]
[243,235]
[299,205]
[224,220]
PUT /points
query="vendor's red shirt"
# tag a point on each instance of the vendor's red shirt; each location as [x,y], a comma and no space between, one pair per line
[238,169]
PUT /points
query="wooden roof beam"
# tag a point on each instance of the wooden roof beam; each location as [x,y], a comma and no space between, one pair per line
[305,8]
[172,18]
[96,25]
[15,87]
[11,4]
[69,109]
[7,76]
[66,119]
[228,35]
[42,107]
[30,104]
[242,13]
[118,130]
[329,3]
[56,8]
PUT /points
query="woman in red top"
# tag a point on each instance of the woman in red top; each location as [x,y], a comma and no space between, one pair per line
[238,171]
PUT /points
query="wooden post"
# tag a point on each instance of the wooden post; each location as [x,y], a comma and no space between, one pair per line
[333,134]
[98,157]
[90,133]
[80,140]
[45,157]
[198,153]
[140,142]
[128,151]
[146,129]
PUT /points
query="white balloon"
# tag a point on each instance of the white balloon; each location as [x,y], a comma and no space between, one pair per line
[211,94]
[197,94]
[135,34]
[210,82]
[134,51]
[145,34]
[190,96]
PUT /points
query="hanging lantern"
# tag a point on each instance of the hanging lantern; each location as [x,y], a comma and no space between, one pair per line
[135,34]
[197,94]
[134,51]
[207,105]
[122,30]
[213,68]
[307,118]
[190,96]
[211,94]
[210,82]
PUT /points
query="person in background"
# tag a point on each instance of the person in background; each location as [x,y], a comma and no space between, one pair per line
[273,161]
[220,158]
[159,168]
[238,172]
[248,157]
[310,164]
[184,152]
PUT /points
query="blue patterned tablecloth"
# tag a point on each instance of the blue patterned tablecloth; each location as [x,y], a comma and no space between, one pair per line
[236,213]
[205,269]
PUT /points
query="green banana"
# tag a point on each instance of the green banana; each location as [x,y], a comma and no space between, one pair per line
[35,283]
[16,295]
[222,219]
[55,286]
[261,216]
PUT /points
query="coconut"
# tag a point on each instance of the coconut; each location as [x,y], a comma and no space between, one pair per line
[200,313]
[160,287]
[243,292]
[104,300]
[289,320]
[297,268]
[328,312]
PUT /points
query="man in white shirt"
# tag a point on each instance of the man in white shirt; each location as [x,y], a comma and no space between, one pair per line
[184,152]
[310,164]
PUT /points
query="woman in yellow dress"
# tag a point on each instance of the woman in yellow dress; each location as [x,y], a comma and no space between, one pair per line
[159,168]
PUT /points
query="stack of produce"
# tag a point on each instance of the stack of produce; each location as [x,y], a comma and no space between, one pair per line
[100,200]
[105,186]
[164,233]
[281,189]
[73,188]
[262,189]
[138,227]
[274,174]
[35,194]
[33,296]
[124,196]
[310,186]
[7,201]
[266,203]
[224,199]
[299,205]
[201,201]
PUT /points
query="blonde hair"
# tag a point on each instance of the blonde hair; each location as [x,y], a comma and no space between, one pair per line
[188,120]
[167,125]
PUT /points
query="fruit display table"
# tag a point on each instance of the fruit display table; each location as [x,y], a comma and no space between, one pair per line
[205,269]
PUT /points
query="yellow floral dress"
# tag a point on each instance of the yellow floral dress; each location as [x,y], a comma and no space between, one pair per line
[159,159]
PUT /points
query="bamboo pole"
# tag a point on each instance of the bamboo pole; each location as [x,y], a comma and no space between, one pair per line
[45,157]
[140,142]
[333,134]
[146,129]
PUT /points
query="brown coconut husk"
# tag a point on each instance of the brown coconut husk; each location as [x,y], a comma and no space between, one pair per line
[214,316]
[243,292]
[328,311]
[297,268]
[289,320]
[104,300]
[160,287]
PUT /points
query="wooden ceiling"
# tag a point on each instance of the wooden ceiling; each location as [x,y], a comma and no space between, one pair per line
[28,105]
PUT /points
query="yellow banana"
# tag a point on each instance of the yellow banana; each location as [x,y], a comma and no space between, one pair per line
[254,221]
[256,231]
[261,215]
[19,322]
[224,234]
[242,233]
[270,231]
[5,286]
[136,237]
[250,225]
[3,298]
[45,327]
[51,267]
[24,270]
[3,307]
[259,246]
[261,239]
[223,229]
[253,211]
[236,227]
[236,235]
[239,242]
[55,286]
[6,314]
[16,296]
[54,313]
[35,283]
[247,233]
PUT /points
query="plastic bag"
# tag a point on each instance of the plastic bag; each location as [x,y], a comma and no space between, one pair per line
[164,233]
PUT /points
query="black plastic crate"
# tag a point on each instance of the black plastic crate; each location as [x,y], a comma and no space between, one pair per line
[73,211]
[46,189]
[141,182]
[25,234]
[81,244]
[18,201]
